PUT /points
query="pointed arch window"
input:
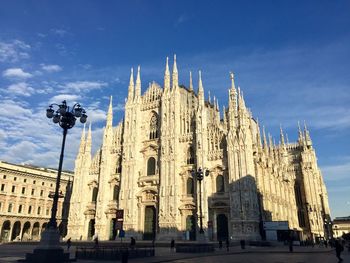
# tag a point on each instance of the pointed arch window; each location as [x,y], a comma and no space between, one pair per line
[119,166]
[115,193]
[190,156]
[151,166]
[220,185]
[153,127]
[94,194]
[190,186]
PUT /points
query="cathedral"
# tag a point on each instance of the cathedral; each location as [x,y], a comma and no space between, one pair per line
[175,165]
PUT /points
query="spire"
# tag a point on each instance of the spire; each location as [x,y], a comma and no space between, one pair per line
[232,93]
[82,141]
[217,104]
[209,97]
[307,135]
[167,76]
[264,138]
[300,135]
[258,138]
[109,121]
[138,84]
[175,74]
[88,141]
[281,135]
[200,85]
[131,86]
[191,83]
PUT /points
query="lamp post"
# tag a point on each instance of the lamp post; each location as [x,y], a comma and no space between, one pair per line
[198,174]
[49,249]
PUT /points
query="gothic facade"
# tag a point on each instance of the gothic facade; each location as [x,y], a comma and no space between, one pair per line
[145,168]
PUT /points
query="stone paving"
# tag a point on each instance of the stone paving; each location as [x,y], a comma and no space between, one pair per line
[12,252]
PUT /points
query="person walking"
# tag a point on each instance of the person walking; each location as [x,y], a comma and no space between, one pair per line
[69,243]
[172,244]
[338,249]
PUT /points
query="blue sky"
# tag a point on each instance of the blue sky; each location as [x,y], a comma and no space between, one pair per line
[290,58]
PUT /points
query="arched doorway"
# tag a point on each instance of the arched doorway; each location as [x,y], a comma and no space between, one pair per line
[91,230]
[43,227]
[5,231]
[26,232]
[35,231]
[112,229]
[16,230]
[222,227]
[191,227]
[150,223]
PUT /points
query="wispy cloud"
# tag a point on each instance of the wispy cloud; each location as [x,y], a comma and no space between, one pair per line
[59,32]
[21,88]
[181,19]
[51,68]
[16,73]
[14,51]
[86,86]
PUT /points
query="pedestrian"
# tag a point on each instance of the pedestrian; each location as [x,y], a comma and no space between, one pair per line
[227,244]
[172,244]
[242,242]
[325,243]
[338,249]
[96,242]
[132,242]
[290,244]
[69,243]
[220,244]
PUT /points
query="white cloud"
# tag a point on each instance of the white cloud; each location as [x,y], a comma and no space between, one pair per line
[59,32]
[13,51]
[79,86]
[69,98]
[16,73]
[20,88]
[336,172]
[51,68]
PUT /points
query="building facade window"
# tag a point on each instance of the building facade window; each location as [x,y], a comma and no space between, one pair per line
[153,127]
[33,191]
[23,190]
[220,185]
[115,192]
[151,166]
[13,189]
[39,210]
[94,194]
[19,209]
[2,187]
[190,156]
[41,192]
[190,186]
[30,209]
[9,208]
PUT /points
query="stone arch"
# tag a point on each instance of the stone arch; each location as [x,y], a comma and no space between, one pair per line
[26,235]
[5,231]
[16,230]
[43,227]
[36,231]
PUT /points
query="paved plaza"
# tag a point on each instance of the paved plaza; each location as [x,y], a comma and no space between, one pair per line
[12,252]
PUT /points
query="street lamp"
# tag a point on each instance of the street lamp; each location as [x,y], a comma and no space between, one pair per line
[49,248]
[199,176]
